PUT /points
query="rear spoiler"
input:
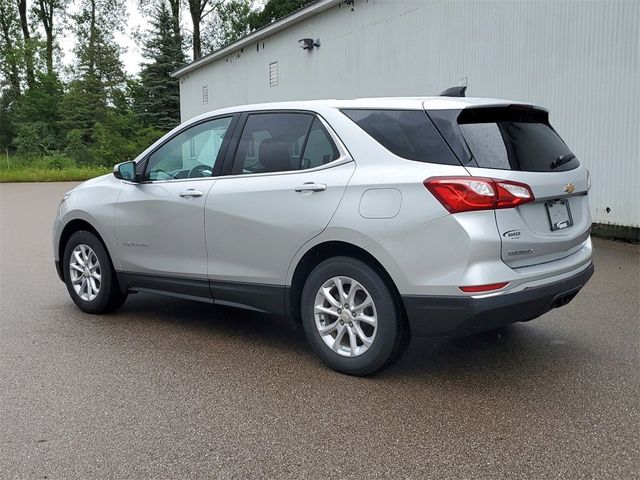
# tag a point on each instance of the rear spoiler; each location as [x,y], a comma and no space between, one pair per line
[513,113]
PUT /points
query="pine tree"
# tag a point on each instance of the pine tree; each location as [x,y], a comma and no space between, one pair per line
[157,100]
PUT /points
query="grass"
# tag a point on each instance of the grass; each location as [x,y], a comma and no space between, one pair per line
[50,174]
[56,168]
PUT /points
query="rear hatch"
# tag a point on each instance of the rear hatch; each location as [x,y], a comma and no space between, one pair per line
[517,143]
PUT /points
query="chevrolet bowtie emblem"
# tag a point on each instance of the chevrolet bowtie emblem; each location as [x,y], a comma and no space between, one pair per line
[569,187]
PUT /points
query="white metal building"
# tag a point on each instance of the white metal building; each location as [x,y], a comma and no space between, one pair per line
[579,59]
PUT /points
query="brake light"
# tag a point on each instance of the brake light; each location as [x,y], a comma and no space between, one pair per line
[484,288]
[464,194]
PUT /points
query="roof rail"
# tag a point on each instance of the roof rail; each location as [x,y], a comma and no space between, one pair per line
[454,92]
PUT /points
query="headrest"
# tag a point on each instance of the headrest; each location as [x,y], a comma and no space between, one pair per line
[273,155]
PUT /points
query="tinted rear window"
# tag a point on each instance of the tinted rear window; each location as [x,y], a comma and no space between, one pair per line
[514,139]
[409,134]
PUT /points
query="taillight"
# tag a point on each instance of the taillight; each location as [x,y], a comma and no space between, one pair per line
[464,194]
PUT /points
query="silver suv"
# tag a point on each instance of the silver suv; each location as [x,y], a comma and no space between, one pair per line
[366,221]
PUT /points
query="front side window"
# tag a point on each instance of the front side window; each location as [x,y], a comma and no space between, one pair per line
[280,142]
[190,154]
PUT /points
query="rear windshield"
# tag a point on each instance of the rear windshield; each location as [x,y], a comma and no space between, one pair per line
[408,134]
[514,139]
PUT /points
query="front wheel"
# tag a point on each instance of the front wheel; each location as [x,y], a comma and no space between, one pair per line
[351,317]
[89,274]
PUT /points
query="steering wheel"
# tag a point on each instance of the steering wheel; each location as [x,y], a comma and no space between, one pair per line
[200,171]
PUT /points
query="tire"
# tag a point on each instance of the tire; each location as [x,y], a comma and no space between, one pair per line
[388,337]
[89,248]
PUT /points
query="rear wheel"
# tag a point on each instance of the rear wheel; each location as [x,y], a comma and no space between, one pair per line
[351,317]
[89,274]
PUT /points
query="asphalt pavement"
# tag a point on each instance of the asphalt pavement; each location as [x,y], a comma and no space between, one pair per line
[169,389]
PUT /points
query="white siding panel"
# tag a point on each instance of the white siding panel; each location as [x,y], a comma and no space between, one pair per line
[579,59]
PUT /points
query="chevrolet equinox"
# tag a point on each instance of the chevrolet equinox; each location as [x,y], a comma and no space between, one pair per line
[366,221]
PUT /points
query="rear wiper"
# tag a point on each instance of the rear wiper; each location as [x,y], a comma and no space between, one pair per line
[561,160]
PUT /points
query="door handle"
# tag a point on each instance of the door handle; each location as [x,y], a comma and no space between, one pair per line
[191,193]
[311,187]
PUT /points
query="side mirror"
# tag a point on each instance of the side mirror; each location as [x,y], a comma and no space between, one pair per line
[125,171]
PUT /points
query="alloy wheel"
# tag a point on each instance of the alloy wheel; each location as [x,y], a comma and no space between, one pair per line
[345,316]
[85,272]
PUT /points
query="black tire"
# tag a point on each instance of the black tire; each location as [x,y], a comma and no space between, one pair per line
[109,296]
[392,336]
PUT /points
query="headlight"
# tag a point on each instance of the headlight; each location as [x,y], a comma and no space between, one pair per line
[64,198]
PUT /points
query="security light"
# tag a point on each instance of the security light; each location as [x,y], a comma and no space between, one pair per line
[308,43]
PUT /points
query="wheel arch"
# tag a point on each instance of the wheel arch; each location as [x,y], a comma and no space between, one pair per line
[321,252]
[69,229]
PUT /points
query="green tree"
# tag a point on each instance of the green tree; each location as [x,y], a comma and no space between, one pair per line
[96,94]
[77,149]
[98,76]
[10,70]
[97,52]
[10,50]
[149,8]
[7,125]
[157,96]
[83,105]
[175,17]
[198,10]
[274,10]
[37,118]
[230,23]
[45,11]
[120,137]
[29,44]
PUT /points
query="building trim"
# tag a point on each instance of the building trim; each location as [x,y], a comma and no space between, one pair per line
[285,22]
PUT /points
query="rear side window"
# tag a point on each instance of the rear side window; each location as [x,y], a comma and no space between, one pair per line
[319,149]
[408,134]
[280,142]
[509,139]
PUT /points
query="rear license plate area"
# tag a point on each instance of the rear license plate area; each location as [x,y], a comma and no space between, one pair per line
[559,214]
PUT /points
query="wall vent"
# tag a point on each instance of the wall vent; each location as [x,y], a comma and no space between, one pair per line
[273,74]
[205,94]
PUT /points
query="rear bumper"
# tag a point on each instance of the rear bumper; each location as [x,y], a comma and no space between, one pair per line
[454,316]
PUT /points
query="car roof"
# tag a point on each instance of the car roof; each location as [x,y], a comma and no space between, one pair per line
[382,103]
[390,103]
